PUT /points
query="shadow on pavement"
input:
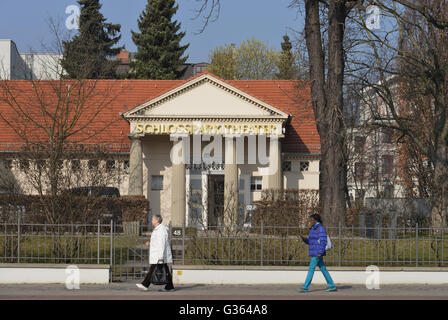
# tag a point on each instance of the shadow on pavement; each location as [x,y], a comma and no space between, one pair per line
[344,287]
[183,287]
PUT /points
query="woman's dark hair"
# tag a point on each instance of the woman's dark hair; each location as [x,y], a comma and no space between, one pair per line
[316,217]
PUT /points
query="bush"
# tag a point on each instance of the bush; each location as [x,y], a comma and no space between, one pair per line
[286,208]
[72,209]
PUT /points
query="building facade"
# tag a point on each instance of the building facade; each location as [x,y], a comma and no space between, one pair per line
[202,150]
[28,66]
[12,66]
[373,170]
[47,66]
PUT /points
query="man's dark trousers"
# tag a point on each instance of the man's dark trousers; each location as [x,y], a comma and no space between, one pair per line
[152,267]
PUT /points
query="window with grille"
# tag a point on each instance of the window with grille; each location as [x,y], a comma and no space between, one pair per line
[359,144]
[387,164]
[286,166]
[76,165]
[373,175]
[304,166]
[126,165]
[41,164]
[24,165]
[387,135]
[156,182]
[360,168]
[256,183]
[110,165]
[93,164]
[388,191]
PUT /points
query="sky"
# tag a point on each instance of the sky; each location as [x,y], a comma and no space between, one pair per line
[26,22]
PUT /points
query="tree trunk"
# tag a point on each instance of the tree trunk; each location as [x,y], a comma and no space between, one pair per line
[440,194]
[327,99]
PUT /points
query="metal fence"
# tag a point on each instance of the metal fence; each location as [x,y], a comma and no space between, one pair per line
[123,246]
[352,246]
[56,243]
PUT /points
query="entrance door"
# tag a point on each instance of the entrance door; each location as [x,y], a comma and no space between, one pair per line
[215,200]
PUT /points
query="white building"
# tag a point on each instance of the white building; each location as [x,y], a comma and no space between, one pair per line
[374,153]
[245,136]
[28,66]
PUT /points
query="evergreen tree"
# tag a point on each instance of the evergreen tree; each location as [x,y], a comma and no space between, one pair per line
[88,55]
[159,53]
[287,66]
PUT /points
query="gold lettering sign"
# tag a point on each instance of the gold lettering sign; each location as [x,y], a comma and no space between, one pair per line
[207,128]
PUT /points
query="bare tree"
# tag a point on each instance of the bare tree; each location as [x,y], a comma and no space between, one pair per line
[326,80]
[54,122]
[409,77]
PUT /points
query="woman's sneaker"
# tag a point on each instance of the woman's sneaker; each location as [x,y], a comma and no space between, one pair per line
[302,290]
[141,287]
[331,289]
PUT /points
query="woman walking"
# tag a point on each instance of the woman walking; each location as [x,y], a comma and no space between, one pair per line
[317,241]
[159,250]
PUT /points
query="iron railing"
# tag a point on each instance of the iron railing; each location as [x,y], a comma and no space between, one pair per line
[279,245]
[123,246]
[55,243]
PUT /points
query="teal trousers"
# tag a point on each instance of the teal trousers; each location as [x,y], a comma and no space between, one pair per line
[315,261]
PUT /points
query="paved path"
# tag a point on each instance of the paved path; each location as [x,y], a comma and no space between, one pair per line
[128,291]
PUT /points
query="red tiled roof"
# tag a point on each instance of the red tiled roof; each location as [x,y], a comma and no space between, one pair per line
[291,97]
[115,96]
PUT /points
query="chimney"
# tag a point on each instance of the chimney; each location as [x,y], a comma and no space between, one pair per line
[123,56]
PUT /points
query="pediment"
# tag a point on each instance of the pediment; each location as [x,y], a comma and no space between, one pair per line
[205,96]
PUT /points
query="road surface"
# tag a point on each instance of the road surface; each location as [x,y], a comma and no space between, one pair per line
[128,291]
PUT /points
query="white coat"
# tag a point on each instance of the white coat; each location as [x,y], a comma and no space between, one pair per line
[159,247]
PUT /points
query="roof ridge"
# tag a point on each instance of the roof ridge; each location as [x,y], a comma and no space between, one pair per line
[286,95]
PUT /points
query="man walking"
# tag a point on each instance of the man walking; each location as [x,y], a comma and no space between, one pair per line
[159,249]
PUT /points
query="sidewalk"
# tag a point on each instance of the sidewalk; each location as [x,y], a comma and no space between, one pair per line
[128,291]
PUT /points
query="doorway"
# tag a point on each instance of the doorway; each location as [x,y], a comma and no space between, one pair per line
[215,200]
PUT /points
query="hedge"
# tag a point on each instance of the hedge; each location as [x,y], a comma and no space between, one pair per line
[72,209]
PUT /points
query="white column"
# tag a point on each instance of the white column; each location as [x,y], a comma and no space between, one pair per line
[187,199]
[135,185]
[204,179]
[230,183]
[275,179]
[178,185]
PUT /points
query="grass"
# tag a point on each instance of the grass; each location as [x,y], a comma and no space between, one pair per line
[278,250]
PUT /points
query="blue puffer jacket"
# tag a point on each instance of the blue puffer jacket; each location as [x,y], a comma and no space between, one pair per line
[317,240]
